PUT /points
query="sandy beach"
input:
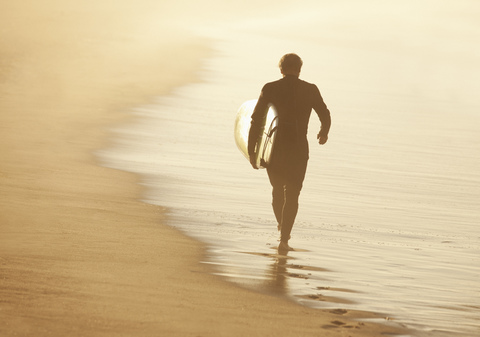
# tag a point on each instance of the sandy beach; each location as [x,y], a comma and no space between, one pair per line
[80,255]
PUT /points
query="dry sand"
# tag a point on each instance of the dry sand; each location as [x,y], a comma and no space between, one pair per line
[79,254]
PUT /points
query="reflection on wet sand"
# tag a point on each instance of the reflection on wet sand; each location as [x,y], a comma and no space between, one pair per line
[282,270]
[278,275]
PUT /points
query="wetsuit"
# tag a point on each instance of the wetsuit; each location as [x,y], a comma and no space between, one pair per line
[293,99]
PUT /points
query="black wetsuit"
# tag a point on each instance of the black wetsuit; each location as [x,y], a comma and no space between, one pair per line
[293,100]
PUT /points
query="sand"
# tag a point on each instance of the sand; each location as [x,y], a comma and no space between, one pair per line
[79,253]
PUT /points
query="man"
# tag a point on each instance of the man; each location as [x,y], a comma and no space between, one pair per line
[293,99]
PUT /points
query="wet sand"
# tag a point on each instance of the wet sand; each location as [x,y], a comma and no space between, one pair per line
[79,254]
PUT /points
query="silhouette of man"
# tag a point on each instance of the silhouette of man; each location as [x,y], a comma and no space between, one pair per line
[293,99]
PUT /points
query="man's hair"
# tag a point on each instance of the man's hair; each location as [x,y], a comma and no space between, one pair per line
[290,63]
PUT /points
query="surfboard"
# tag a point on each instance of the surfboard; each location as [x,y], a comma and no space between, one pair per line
[265,143]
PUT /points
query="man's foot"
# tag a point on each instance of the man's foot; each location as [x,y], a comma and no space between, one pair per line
[284,247]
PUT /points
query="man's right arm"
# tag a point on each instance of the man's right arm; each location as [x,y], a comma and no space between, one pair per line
[258,118]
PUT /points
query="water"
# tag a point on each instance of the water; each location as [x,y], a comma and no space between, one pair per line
[389,218]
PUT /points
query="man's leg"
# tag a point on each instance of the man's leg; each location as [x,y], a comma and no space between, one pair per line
[295,175]
[289,212]
[278,195]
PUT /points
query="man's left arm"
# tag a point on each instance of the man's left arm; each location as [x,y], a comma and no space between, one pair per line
[323,114]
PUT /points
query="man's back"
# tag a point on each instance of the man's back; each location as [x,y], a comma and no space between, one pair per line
[293,99]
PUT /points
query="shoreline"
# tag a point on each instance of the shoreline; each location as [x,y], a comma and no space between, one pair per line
[80,254]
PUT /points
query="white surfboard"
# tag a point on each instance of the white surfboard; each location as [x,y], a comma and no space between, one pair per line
[265,143]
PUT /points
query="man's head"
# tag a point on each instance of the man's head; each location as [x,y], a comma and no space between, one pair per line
[290,64]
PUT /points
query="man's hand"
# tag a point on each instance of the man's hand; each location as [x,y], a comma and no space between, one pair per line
[253,162]
[322,139]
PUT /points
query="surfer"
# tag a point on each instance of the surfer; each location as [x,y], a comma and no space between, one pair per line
[293,99]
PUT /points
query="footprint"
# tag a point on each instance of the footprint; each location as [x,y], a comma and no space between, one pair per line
[298,276]
[338,311]
[338,323]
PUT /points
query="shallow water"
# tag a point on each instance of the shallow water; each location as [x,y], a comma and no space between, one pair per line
[388,219]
